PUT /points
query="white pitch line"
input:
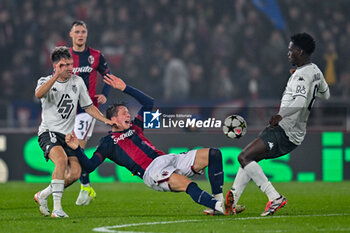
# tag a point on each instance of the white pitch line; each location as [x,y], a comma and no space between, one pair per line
[108,228]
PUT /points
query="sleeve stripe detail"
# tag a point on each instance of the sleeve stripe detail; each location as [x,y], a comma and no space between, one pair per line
[139,117]
[86,106]
[99,156]
[324,91]
[299,95]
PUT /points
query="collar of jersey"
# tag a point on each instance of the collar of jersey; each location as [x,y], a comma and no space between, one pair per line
[76,52]
[124,131]
[300,67]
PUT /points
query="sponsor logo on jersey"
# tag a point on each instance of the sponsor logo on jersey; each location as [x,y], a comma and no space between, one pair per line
[54,89]
[301,79]
[83,69]
[123,136]
[91,59]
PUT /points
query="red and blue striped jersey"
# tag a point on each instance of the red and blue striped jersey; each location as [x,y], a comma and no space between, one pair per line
[86,64]
[128,148]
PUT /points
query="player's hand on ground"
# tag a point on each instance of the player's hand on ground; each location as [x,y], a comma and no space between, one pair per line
[72,141]
[274,120]
[114,82]
[101,99]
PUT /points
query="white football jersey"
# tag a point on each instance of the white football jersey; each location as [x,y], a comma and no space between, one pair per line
[59,105]
[307,81]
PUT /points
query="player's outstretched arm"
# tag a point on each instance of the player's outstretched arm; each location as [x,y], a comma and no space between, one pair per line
[117,83]
[95,113]
[101,99]
[114,82]
[88,164]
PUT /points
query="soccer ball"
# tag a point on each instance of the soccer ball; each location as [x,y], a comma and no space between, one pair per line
[234,126]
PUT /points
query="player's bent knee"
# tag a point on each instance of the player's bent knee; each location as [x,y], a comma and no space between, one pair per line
[178,183]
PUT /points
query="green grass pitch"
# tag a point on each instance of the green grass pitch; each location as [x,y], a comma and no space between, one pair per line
[133,207]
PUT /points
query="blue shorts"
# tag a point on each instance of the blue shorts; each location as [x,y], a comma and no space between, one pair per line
[276,141]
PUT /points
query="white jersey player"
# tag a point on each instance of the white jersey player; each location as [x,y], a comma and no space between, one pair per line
[59,94]
[287,129]
[59,105]
[306,82]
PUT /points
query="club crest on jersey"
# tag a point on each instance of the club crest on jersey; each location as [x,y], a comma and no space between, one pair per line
[91,59]
[74,89]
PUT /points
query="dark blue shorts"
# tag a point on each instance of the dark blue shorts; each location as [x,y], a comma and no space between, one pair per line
[276,141]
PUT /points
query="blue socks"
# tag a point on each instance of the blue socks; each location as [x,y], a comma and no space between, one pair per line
[215,171]
[84,178]
[200,196]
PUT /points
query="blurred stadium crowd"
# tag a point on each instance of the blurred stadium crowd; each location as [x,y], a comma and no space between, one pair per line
[183,50]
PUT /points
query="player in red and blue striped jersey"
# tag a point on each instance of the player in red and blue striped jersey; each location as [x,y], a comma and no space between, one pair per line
[86,63]
[127,146]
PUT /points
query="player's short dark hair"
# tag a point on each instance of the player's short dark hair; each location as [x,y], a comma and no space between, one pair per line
[304,41]
[78,23]
[61,52]
[112,109]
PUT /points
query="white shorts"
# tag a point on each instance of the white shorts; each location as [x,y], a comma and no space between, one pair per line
[158,172]
[83,126]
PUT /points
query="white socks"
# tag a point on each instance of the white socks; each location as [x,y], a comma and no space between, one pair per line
[57,192]
[219,206]
[219,197]
[45,193]
[239,184]
[256,173]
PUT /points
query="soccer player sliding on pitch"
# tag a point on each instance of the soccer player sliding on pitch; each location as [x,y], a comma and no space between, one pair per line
[127,146]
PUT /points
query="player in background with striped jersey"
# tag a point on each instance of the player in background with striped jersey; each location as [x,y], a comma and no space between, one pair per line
[127,146]
[60,94]
[287,129]
[86,63]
